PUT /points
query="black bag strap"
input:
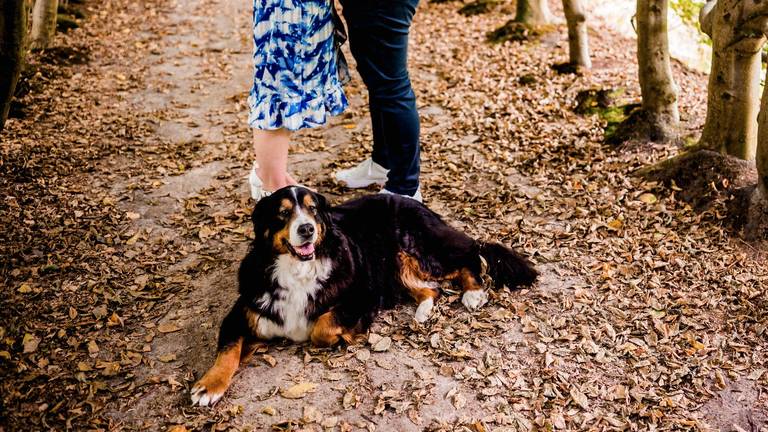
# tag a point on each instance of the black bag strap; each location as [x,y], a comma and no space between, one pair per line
[339,38]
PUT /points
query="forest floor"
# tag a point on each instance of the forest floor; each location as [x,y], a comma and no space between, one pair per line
[125,214]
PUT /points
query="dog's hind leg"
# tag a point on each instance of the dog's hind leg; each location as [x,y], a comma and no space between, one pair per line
[474,296]
[422,290]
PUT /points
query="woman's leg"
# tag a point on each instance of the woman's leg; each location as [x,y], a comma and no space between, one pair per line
[270,149]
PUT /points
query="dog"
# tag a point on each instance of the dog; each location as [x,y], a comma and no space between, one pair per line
[321,273]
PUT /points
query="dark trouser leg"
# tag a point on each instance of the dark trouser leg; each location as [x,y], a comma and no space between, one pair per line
[378,36]
[380,155]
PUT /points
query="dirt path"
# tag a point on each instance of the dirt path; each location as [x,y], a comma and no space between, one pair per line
[647,315]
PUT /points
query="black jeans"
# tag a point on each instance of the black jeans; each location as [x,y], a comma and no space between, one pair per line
[378,38]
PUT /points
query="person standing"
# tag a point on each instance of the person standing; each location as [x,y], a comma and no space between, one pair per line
[295,83]
[378,36]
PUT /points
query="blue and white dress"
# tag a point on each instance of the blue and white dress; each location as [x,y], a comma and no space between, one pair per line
[295,81]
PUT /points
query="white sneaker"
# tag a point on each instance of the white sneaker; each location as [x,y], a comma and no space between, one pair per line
[363,175]
[257,186]
[416,196]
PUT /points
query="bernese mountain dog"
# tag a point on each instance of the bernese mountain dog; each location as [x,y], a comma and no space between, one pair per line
[321,273]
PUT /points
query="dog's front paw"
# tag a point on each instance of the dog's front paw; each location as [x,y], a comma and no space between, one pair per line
[474,299]
[424,310]
[207,391]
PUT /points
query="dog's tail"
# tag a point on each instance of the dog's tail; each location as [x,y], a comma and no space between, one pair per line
[507,267]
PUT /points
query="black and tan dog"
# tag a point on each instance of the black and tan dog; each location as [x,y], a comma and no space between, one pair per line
[321,273]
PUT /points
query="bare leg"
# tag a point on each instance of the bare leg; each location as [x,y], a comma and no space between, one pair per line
[270,148]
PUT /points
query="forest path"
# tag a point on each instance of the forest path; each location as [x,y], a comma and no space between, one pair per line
[647,314]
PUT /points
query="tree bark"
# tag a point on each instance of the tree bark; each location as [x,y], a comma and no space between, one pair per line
[43,23]
[734,82]
[13,28]
[578,37]
[533,12]
[761,157]
[656,83]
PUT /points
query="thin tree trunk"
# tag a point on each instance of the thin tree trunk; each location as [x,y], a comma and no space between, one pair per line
[655,73]
[578,37]
[761,157]
[13,28]
[43,23]
[533,12]
[734,83]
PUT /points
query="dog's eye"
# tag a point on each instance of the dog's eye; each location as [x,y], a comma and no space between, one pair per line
[313,209]
[285,213]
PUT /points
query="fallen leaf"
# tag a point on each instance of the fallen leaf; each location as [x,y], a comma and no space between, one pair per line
[93,348]
[165,358]
[298,391]
[648,198]
[382,344]
[114,320]
[168,328]
[30,343]
[363,355]
[580,398]
[100,311]
[311,414]
[269,360]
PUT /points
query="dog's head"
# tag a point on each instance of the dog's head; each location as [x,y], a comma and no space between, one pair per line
[293,220]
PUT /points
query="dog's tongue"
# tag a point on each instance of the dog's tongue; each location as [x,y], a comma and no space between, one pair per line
[307,249]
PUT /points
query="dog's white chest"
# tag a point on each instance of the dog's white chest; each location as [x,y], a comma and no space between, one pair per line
[298,282]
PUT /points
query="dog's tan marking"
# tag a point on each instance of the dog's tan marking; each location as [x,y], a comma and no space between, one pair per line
[468,280]
[215,382]
[420,284]
[327,332]
[279,240]
[253,322]
[285,204]
[309,201]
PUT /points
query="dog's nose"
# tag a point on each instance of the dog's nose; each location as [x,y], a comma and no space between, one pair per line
[306,230]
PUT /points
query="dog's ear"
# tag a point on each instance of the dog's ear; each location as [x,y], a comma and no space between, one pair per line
[260,218]
[322,202]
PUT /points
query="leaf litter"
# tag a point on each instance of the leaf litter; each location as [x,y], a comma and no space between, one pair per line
[648,314]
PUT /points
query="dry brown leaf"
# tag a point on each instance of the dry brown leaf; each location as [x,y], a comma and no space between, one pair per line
[298,391]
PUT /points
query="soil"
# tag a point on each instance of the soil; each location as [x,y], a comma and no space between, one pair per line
[703,176]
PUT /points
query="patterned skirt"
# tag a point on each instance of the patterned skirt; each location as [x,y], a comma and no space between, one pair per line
[295,81]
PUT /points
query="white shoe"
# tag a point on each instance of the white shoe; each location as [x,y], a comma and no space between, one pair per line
[257,186]
[363,175]
[416,196]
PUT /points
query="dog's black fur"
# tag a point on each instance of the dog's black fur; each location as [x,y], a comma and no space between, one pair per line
[366,242]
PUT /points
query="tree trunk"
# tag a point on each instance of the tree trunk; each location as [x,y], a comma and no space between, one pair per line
[578,38]
[13,28]
[761,158]
[533,12]
[655,73]
[734,82]
[43,23]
